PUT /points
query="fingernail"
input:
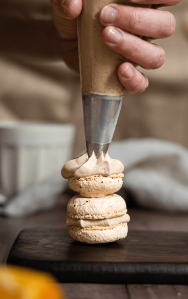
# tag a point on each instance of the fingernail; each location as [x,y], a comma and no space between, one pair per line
[127,72]
[114,35]
[108,14]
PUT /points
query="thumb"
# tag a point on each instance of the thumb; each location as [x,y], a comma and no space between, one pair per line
[65,13]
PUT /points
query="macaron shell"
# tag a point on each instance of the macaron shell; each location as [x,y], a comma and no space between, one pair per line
[99,235]
[96,186]
[110,206]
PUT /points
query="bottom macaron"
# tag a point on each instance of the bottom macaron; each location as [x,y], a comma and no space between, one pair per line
[98,234]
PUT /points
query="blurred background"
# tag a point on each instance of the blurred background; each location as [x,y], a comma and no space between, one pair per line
[36,85]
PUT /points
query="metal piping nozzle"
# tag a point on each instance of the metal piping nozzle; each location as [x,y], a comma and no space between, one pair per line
[101,113]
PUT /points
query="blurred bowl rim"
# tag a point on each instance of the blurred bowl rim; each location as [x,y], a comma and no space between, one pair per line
[35,133]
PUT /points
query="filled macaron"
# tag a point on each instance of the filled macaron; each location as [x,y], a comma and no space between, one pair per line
[97,220]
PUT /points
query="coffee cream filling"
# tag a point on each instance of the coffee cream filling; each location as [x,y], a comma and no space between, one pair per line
[85,166]
[101,222]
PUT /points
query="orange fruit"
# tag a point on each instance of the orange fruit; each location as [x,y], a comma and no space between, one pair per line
[22,283]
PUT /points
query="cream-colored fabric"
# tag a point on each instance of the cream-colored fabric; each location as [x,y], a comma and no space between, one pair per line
[35,197]
[156,172]
[35,84]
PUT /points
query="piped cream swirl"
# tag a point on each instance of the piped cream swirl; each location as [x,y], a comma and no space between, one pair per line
[85,166]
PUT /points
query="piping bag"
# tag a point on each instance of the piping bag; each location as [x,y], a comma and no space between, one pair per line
[102,92]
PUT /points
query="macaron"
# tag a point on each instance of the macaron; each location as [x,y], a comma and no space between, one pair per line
[96,185]
[98,235]
[97,220]
[110,206]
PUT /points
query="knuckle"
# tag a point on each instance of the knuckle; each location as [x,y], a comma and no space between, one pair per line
[170,25]
[57,4]
[134,49]
[141,83]
[61,11]
[173,24]
[105,33]
[159,59]
[134,18]
[145,86]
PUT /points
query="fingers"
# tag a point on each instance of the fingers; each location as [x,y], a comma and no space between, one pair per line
[132,79]
[65,14]
[156,2]
[139,21]
[70,9]
[147,55]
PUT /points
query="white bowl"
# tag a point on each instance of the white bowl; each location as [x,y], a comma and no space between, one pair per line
[31,152]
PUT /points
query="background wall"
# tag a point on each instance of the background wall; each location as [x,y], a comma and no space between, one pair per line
[35,84]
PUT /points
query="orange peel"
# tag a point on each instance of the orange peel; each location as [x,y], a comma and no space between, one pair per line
[22,283]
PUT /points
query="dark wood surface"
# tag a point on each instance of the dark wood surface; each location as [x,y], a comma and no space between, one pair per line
[140,220]
[142,257]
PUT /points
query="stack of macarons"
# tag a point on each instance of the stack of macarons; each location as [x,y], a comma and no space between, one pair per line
[97,215]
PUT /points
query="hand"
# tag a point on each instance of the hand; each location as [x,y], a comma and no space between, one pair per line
[122,26]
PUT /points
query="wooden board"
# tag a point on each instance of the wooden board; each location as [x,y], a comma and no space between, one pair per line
[143,257]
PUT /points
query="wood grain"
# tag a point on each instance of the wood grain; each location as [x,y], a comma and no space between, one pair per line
[141,219]
[94,291]
[143,257]
[156,291]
